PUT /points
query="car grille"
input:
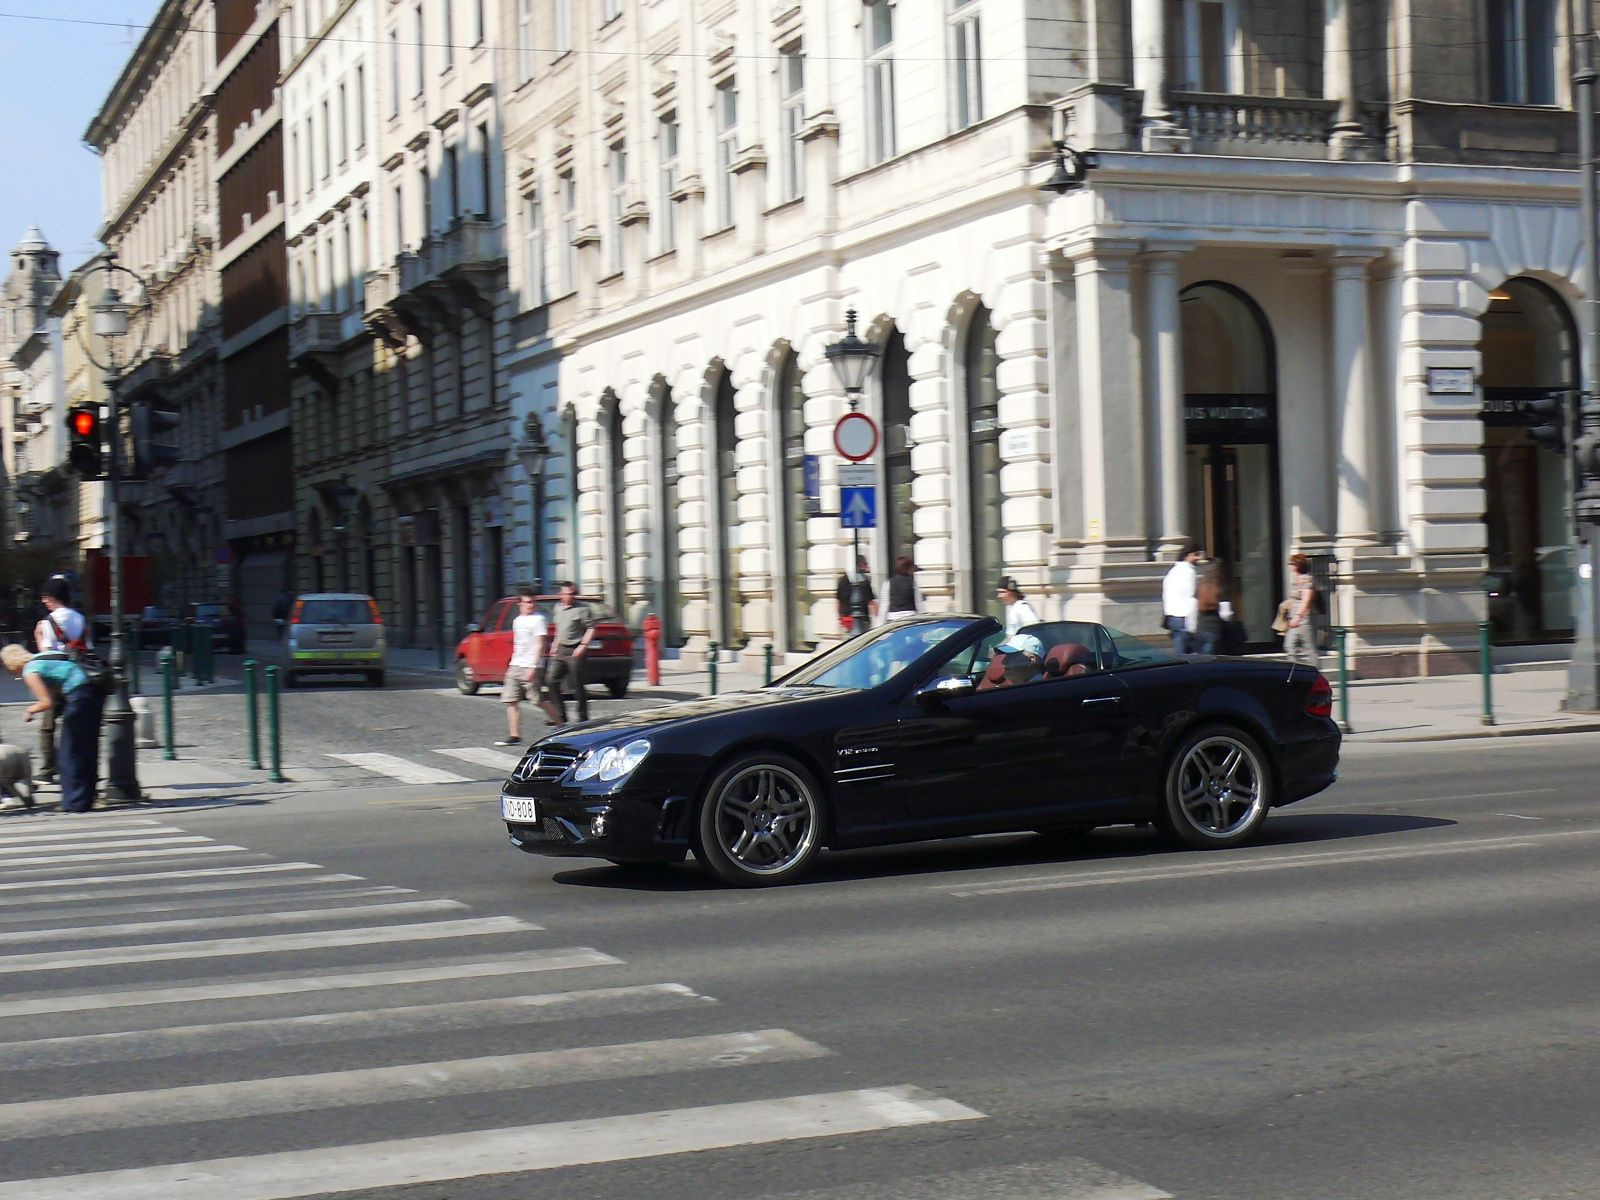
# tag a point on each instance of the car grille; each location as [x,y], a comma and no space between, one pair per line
[545,764]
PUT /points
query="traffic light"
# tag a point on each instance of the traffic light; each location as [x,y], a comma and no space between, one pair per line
[85,450]
[1553,422]
[155,442]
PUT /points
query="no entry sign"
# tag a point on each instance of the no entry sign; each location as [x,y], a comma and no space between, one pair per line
[856,437]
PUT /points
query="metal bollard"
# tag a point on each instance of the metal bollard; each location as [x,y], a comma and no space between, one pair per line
[167,669]
[254,713]
[768,679]
[1339,636]
[712,666]
[1486,666]
[133,661]
[274,731]
[652,649]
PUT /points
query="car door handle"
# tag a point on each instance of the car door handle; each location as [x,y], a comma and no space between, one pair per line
[1102,700]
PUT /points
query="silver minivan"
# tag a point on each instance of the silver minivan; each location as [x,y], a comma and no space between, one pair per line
[335,633]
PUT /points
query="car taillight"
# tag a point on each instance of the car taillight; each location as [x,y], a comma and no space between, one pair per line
[1319,702]
[294,613]
[372,607]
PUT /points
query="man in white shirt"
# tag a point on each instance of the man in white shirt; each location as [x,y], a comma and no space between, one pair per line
[1179,606]
[62,629]
[1018,611]
[528,632]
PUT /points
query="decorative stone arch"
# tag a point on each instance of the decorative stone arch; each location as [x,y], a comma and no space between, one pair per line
[663,583]
[789,541]
[612,490]
[719,507]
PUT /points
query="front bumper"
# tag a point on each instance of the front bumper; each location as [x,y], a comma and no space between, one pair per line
[336,660]
[621,826]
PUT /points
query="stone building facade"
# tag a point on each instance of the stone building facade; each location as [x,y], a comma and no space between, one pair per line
[1325,254]
[157,136]
[39,492]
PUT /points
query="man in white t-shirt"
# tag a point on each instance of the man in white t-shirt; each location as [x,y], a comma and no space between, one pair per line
[528,632]
[62,629]
[1179,604]
[1018,611]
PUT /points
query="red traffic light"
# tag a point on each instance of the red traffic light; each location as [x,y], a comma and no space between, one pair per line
[84,423]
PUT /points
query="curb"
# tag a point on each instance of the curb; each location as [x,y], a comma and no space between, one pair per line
[1487,731]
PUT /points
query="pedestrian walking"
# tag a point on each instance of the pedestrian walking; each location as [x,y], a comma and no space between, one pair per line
[1300,640]
[529,630]
[903,597]
[1179,609]
[1018,611]
[48,676]
[281,608]
[62,628]
[574,630]
[850,602]
[1213,608]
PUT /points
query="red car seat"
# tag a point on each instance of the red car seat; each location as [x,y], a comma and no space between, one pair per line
[1068,659]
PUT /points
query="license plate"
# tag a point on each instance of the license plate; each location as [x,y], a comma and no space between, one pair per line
[339,637]
[519,808]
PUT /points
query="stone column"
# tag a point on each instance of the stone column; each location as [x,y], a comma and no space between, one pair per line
[1352,397]
[1110,421]
[1164,335]
[1157,131]
[1348,138]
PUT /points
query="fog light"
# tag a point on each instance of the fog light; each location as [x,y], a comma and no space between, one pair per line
[597,827]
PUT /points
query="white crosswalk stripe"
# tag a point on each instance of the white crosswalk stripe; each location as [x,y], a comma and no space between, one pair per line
[481,756]
[399,769]
[400,1025]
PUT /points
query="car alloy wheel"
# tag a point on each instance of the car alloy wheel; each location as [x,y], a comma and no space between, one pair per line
[1218,789]
[761,822]
[466,682]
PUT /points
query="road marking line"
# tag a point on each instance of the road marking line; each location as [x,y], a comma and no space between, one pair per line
[70,907]
[400,769]
[304,916]
[451,1156]
[1329,806]
[101,848]
[195,873]
[411,1081]
[277,943]
[1053,883]
[510,964]
[80,823]
[482,756]
[45,840]
[91,857]
[273,1032]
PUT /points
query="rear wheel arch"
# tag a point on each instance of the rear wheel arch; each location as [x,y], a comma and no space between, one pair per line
[1174,738]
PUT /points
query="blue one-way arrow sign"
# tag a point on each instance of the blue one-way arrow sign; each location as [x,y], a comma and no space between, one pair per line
[858,507]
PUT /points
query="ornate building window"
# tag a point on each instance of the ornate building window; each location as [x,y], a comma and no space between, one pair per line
[727,113]
[792,116]
[966,63]
[667,149]
[880,82]
[1522,51]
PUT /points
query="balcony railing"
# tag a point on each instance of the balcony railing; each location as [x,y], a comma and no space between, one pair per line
[314,333]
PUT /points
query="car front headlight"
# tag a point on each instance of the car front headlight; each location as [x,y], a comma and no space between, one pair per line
[612,763]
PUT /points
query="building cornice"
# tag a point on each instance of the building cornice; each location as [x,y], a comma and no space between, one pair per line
[169,26]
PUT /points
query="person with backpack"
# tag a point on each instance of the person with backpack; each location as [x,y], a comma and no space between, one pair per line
[1300,640]
[62,628]
[51,675]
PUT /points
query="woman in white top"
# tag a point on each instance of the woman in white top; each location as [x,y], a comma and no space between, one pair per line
[1018,611]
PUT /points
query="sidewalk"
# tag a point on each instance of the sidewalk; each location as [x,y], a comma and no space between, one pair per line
[1526,701]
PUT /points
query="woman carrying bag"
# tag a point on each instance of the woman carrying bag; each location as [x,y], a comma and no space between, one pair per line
[1299,638]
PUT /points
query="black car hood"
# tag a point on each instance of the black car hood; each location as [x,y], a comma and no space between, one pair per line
[685,712]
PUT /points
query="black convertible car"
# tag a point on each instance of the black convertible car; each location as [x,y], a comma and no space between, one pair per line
[928,728]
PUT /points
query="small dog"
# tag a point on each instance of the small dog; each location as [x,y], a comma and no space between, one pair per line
[16,774]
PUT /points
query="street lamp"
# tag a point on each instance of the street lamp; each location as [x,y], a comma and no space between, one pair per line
[117,329]
[534,451]
[344,499]
[852,359]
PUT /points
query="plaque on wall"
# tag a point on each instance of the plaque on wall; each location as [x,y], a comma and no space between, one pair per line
[1451,381]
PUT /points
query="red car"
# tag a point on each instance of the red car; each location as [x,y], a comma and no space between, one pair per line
[482,655]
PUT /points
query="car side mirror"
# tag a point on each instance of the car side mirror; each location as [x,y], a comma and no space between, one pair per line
[473,627]
[941,690]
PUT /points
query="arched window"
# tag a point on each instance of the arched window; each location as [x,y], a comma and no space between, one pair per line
[615,466]
[725,583]
[985,527]
[790,435]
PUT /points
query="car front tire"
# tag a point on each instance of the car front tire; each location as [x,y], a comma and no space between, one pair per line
[466,682]
[760,823]
[1217,790]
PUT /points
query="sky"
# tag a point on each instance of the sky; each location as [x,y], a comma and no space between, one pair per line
[58,60]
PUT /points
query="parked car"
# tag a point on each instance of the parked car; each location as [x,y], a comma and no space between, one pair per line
[155,626]
[335,633]
[913,731]
[482,655]
[225,624]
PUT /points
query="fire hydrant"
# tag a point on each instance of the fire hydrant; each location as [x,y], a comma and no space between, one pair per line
[652,649]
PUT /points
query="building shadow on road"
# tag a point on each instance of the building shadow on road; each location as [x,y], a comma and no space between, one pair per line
[1125,844]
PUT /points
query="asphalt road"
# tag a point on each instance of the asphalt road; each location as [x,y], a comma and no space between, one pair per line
[1391,995]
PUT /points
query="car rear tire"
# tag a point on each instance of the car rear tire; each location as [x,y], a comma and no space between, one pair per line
[376,679]
[290,679]
[1217,790]
[760,822]
[618,688]
[466,682]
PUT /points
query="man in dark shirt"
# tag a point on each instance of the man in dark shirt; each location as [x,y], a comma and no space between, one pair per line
[848,601]
[574,629]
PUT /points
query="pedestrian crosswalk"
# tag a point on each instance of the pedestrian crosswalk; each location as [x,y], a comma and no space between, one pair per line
[186,1018]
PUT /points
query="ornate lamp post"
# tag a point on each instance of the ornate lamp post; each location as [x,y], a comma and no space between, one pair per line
[534,451]
[116,335]
[852,359]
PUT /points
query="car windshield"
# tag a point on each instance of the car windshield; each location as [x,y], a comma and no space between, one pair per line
[335,612]
[876,657]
